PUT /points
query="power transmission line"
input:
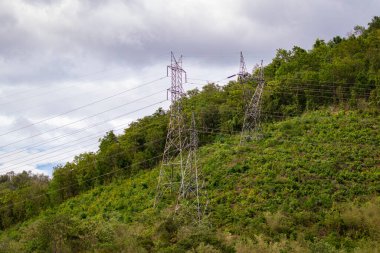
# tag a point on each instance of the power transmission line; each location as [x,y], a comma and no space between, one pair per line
[144,128]
[84,106]
[56,89]
[314,96]
[22,163]
[42,93]
[54,100]
[53,139]
[114,155]
[335,143]
[320,83]
[322,91]
[299,86]
[88,180]
[131,112]
[71,123]
[74,143]
[287,91]
[80,78]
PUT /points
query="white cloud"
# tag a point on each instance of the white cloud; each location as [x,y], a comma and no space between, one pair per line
[5,121]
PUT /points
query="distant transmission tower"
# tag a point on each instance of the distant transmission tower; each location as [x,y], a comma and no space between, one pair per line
[172,160]
[252,113]
[243,74]
[191,197]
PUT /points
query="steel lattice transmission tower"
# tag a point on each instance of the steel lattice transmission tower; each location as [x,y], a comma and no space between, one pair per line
[252,113]
[191,197]
[243,74]
[172,160]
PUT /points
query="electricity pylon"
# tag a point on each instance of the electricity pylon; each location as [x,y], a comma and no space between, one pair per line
[191,198]
[251,122]
[243,74]
[172,161]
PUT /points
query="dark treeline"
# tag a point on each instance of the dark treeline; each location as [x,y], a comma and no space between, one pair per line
[343,72]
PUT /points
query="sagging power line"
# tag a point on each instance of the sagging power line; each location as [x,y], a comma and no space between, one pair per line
[85,105]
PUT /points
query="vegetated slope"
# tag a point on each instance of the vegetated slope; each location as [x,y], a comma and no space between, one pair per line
[342,72]
[311,184]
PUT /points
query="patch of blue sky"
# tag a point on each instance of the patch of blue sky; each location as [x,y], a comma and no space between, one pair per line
[35,150]
[47,167]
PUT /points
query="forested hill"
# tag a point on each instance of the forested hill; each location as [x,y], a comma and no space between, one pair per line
[311,183]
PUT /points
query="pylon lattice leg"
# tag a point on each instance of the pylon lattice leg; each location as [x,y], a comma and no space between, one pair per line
[191,197]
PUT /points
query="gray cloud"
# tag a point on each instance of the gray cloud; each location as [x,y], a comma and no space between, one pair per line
[44,41]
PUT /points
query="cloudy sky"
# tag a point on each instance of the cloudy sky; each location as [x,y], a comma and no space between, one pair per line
[70,70]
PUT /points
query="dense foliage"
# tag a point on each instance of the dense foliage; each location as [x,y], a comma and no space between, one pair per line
[341,70]
[292,188]
[22,189]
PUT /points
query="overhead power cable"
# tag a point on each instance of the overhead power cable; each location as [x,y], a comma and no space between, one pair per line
[303,86]
[19,150]
[9,168]
[99,133]
[71,123]
[103,122]
[85,105]
[318,91]
[333,94]
[54,100]
[115,155]
[74,184]
[336,143]
[317,82]
[83,77]
[23,162]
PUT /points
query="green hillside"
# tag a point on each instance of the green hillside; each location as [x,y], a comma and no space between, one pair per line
[310,185]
